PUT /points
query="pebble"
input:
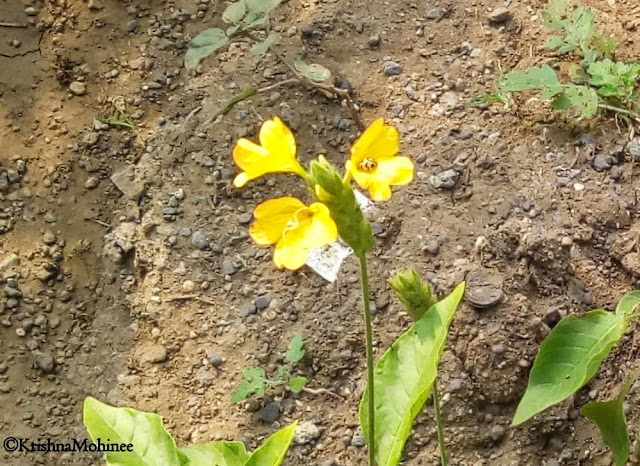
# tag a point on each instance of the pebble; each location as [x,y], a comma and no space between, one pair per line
[374,41]
[445,180]
[634,149]
[484,288]
[49,238]
[262,302]
[12,292]
[247,309]
[215,359]
[78,88]
[199,240]
[270,413]
[188,286]
[499,15]
[306,432]
[601,163]
[44,361]
[497,432]
[228,267]
[433,14]
[432,247]
[151,353]
[30,11]
[92,182]
[132,25]
[245,218]
[392,68]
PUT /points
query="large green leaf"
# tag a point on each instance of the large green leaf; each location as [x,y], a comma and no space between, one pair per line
[216,454]
[612,424]
[534,78]
[404,377]
[274,449]
[568,358]
[234,12]
[573,96]
[203,45]
[261,7]
[152,444]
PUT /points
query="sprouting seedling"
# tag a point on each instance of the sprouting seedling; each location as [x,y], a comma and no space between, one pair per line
[257,383]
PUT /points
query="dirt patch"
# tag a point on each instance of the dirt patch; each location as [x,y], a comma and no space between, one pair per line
[130,276]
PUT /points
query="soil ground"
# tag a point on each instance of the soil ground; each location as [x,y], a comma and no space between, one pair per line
[140,286]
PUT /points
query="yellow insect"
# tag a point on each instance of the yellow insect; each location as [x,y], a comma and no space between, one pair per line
[367,165]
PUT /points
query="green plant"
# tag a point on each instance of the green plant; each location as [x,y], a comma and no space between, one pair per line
[569,357]
[598,83]
[152,445]
[256,381]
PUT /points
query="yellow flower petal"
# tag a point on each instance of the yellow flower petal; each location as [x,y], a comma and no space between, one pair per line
[276,154]
[311,228]
[271,219]
[379,192]
[395,171]
[378,141]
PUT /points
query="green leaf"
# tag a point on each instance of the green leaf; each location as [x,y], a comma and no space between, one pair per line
[569,356]
[577,23]
[582,98]
[152,444]
[252,21]
[231,30]
[216,454]
[296,384]
[534,78]
[234,12]
[296,349]
[614,79]
[416,295]
[404,377]
[612,424]
[255,383]
[274,449]
[628,304]
[261,47]
[316,73]
[261,7]
[203,45]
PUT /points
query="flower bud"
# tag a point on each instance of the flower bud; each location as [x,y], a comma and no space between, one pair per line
[329,187]
[416,296]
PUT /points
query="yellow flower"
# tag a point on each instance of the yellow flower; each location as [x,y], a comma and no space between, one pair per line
[275,154]
[374,164]
[295,229]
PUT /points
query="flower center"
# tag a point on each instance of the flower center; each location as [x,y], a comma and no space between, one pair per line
[367,165]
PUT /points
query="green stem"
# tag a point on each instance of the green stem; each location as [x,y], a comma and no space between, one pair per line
[440,425]
[622,111]
[364,280]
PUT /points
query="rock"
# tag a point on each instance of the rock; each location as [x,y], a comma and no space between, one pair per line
[49,238]
[497,432]
[199,240]
[245,218]
[132,25]
[91,138]
[432,247]
[5,184]
[601,162]
[374,41]
[484,288]
[358,440]
[262,302]
[433,14]
[445,180]
[44,361]
[151,353]
[78,88]
[127,183]
[92,182]
[270,413]
[499,15]
[631,263]
[392,68]
[306,432]
[9,261]
[247,309]
[215,359]
[228,267]
[30,11]
[12,292]
[552,316]
[634,149]
[617,171]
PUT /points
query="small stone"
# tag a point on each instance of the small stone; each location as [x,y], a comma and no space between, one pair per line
[247,309]
[262,302]
[445,180]
[358,440]
[188,286]
[151,353]
[634,149]
[601,163]
[245,218]
[92,182]
[499,15]
[78,88]
[374,41]
[91,138]
[433,14]
[484,288]
[228,267]
[199,240]
[432,247]
[359,26]
[30,11]
[392,68]
[497,432]
[270,413]
[616,172]
[132,25]
[215,359]
[12,303]
[566,241]
[306,432]
[49,238]
[455,385]
[44,361]
[552,316]
[12,292]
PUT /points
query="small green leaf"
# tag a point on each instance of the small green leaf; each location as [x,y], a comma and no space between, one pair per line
[628,304]
[569,356]
[612,423]
[255,383]
[274,449]
[577,23]
[404,377]
[216,454]
[203,45]
[316,73]
[261,47]
[252,21]
[582,98]
[534,78]
[296,349]
[231,30]
[152,444]
[296,384]
[615,79]
[283,373]
[234,12]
